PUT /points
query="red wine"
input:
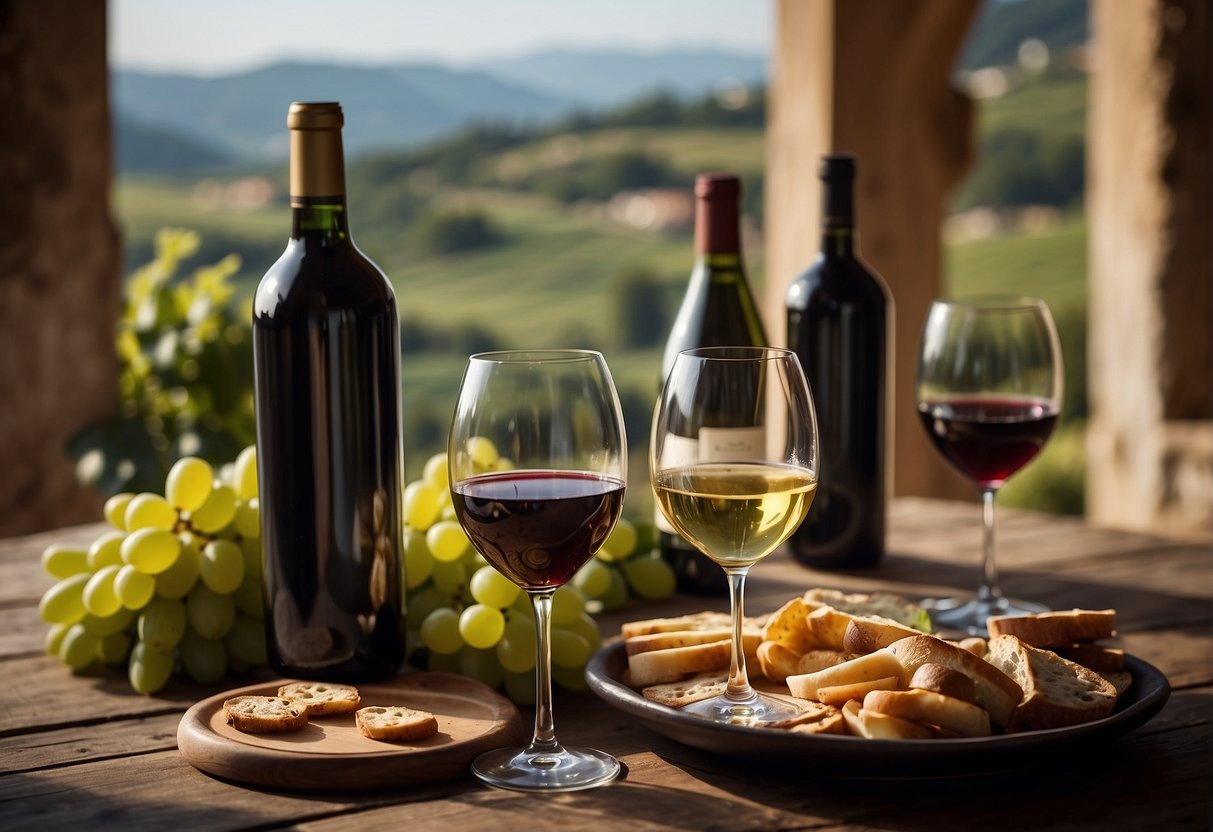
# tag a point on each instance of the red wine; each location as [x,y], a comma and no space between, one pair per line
[718,310]
[327,352]
[987,438]
[839,316]
[538,527]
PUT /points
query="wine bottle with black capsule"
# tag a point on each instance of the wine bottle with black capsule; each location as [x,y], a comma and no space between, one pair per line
[326,341]
[839,322]
[717,310]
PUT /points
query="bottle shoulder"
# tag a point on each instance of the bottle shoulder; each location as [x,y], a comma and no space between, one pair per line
[329,277]
[838,279]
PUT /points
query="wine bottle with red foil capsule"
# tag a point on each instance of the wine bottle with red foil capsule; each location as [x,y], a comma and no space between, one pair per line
[717,310]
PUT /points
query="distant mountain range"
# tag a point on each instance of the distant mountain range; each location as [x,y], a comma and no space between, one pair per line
[242,117]
[182,122]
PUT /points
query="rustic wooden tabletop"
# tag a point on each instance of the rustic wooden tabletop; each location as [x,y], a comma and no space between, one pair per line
[83,751]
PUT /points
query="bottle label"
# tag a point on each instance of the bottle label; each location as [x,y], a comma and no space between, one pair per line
[713,445]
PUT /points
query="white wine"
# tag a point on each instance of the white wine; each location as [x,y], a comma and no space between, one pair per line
[735,512]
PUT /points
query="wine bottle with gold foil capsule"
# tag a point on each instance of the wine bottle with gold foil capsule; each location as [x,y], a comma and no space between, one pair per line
[326,341]
[718,310]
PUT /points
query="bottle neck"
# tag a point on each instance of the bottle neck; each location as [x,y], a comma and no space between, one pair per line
[318,204]
[837,218]
[717,232]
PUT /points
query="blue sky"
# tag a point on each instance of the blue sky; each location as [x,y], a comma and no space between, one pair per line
[230,35]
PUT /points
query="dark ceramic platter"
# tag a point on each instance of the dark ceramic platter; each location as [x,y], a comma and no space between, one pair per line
[857,757]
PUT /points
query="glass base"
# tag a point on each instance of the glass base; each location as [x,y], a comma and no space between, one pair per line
[759,709]
[970,616]
[559,769]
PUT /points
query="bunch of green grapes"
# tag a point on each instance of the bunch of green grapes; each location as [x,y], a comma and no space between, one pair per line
[464,616]
[175,584]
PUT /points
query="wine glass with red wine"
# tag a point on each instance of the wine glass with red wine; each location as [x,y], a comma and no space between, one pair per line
[989,394]
[539,513]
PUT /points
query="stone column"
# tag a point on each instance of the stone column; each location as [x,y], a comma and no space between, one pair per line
[1150,358]
[59,255]
[872,78]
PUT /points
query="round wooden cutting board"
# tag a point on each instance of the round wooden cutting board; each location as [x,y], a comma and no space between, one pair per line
[330,753]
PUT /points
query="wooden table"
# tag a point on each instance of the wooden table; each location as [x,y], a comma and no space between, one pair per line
[83,751]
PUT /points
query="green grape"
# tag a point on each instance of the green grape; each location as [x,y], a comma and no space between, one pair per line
[423,602]
[189,483]
[447,541]
[98,595]
[149,669]
[79,647]
[435,472]
[149,511]
[503,464]
[450,577]
[162,624]
[110,624]
[569,649]
[493,589]
[63,603]
[480,626]
[420,504]
[54,637]
[569,678]
[178,579]
[61,562]
[115,509]
[254,569]
[483,452]
[516,650]
[440,631]
[617,594]
[106,550]
[520,687]
[113,649]
[620,543]
[567,604]
[524,606]
[481,665]
[134,588]
[222,566]
[473,560]
[245,642]
[151,550]
[418,562]
[244,474]
[249,599]
[204,659]
[585,626]
[218,510]
[593,579]
[209,613]
[650,578]
[443,662]
[248,518]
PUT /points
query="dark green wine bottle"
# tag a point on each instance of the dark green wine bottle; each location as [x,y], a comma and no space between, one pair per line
[326,346]
[839,318]
[718,310]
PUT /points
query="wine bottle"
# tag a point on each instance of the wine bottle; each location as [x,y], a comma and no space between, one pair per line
[717,310]
[326,349]
[839,319]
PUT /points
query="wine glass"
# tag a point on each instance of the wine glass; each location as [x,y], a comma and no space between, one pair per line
[989,394]
[556,416]
[733,462]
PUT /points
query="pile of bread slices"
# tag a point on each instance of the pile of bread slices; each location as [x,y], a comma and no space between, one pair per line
[866,667]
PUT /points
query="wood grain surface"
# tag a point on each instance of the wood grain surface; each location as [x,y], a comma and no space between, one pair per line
[82,751]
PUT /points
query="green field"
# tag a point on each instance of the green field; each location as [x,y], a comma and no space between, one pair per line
[550,281]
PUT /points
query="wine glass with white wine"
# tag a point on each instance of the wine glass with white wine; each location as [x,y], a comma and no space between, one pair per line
[733,463]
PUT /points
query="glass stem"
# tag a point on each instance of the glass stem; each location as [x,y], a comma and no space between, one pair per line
[544,739]
[739,688]
[989,593]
